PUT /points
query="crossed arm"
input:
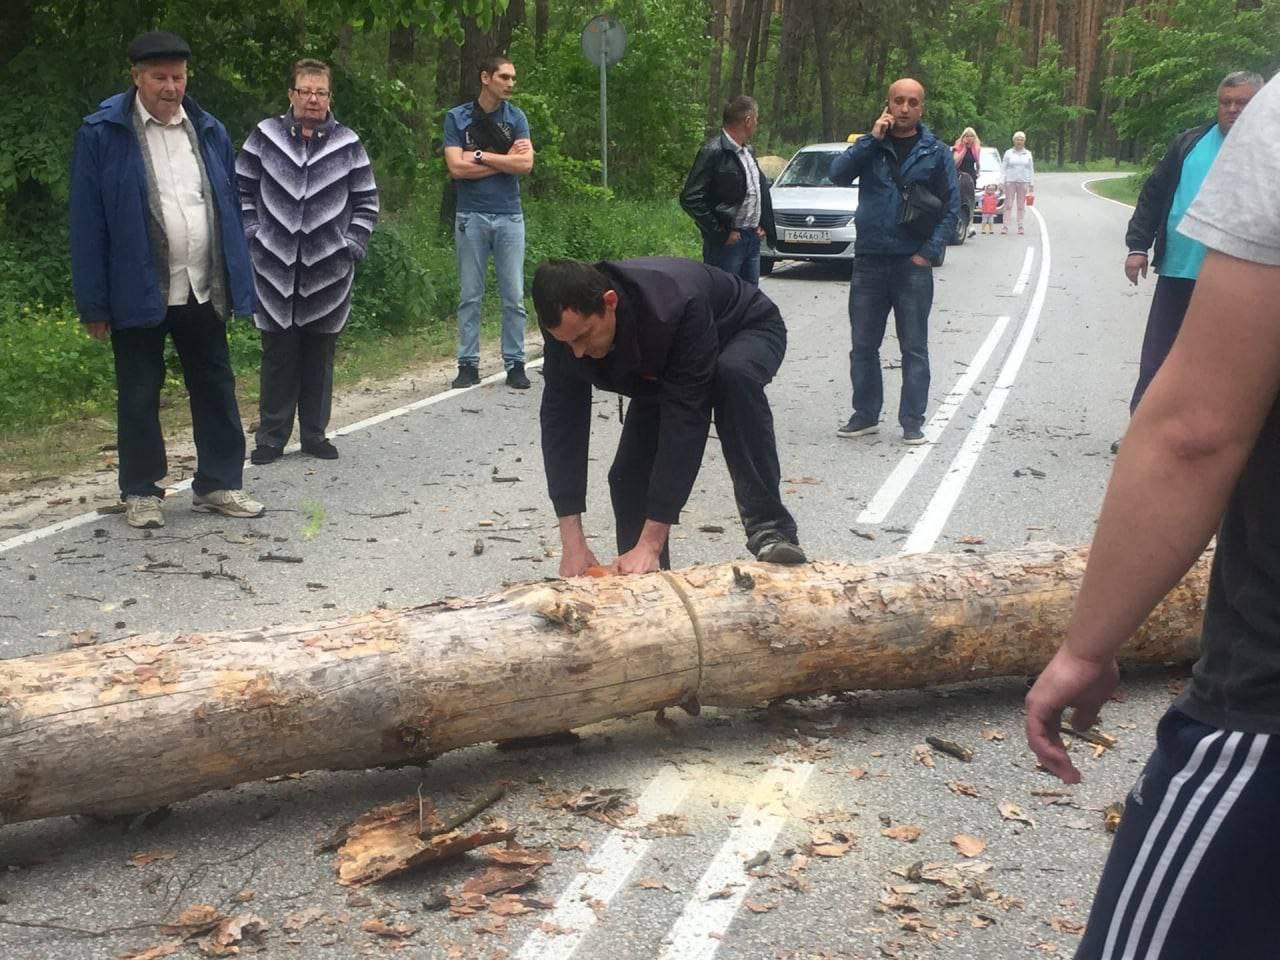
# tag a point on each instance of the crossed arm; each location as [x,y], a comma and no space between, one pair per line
[464,166]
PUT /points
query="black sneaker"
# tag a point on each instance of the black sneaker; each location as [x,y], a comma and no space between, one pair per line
[859,426]
[265,454]
[468,376]
[322,449]
[781,551]
[912,436]
[516,377]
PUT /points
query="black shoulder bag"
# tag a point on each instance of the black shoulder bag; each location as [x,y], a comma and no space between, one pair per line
[921,209]
[486,134]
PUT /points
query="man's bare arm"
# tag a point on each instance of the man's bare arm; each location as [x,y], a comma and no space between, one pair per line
[462,165]
[1185,449]
[518,161]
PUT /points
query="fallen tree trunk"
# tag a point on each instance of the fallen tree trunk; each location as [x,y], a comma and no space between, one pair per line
[136,723]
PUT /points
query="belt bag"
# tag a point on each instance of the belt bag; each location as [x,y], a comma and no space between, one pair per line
[920,211]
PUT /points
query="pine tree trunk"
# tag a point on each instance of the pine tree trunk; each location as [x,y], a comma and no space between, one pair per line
[756,9]
[818,16]
[129,725]
[716,30]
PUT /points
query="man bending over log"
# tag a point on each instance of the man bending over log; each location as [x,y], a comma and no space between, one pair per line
[685,342]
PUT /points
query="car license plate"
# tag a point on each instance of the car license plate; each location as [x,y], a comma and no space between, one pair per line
[806,236]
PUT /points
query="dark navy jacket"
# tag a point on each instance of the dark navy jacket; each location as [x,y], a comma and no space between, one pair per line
[870,162]
[673,317]
[113,275]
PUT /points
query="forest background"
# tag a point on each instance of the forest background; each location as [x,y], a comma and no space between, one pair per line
[1092,82]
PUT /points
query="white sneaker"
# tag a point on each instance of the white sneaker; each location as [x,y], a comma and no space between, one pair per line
[143,512]
[229,503]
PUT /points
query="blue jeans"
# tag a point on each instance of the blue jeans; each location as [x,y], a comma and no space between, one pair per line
[879,285]
[742,259]
[478,236]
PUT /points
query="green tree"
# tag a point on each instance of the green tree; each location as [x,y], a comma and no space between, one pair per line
[1180,50]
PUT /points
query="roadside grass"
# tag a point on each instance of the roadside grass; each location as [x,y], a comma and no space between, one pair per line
[86,441]
[1123,189]
[1099,166]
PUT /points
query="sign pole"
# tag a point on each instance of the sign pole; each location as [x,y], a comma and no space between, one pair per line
[604,121]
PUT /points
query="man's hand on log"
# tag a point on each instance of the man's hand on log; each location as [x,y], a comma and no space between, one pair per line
[1068,681]
[575,555]
[575,560]
[639,559]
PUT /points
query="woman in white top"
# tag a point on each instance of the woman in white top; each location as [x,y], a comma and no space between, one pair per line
[1019,173]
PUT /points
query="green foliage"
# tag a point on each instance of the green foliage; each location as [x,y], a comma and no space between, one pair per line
[655,95]
[52,370]
[1180,51]
[314,512]
[1040,102]
[407,278]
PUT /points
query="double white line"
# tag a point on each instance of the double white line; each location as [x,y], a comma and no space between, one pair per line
[934,518]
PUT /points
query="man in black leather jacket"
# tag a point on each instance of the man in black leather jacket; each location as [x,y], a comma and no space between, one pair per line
[728,196]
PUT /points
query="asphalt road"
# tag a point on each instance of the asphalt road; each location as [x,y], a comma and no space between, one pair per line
[1034,344]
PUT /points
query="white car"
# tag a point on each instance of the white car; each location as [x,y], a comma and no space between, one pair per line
[813,217]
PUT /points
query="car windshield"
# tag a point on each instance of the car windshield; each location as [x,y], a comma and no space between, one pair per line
[990,160]
[808,169]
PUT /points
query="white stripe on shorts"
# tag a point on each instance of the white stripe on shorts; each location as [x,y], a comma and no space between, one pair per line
[1157,824]
[1171,849]
[1228,800]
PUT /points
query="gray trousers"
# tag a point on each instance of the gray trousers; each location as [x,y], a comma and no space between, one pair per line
[297,375]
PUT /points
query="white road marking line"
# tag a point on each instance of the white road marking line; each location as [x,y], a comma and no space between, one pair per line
[929,527]
[31,536]
[696,934]
[1097,196]
[1026,272]
[897,482]
[605,873]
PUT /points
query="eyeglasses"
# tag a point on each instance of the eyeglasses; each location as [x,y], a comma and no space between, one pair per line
[308,94]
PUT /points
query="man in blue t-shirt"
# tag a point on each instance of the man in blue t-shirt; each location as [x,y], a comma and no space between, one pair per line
[487,149]
[1165,197]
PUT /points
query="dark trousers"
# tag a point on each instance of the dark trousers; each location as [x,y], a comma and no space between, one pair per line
[297,376]
[200,338]
[742,259]
[881,284]
[1168,308]
[744,422]
[1191,874]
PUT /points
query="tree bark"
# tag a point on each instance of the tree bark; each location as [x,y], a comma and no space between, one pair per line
[716,30]
[739,39]
[541,22]
[751,23]
[137,723]
[818,16]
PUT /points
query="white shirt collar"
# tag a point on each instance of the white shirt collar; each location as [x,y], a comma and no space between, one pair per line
[147,116]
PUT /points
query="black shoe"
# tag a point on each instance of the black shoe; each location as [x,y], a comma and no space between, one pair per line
[265,454]
[859,425]
[321,449]
[912,436]
[516,377]
[781,551]
[468,376]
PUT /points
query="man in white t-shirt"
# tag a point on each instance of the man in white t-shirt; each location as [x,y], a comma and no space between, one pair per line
[1190,875]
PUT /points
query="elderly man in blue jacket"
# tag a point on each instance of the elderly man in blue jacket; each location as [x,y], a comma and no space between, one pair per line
[907,207]
[157,250]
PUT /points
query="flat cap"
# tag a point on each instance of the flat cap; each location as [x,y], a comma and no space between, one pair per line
[158,45]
